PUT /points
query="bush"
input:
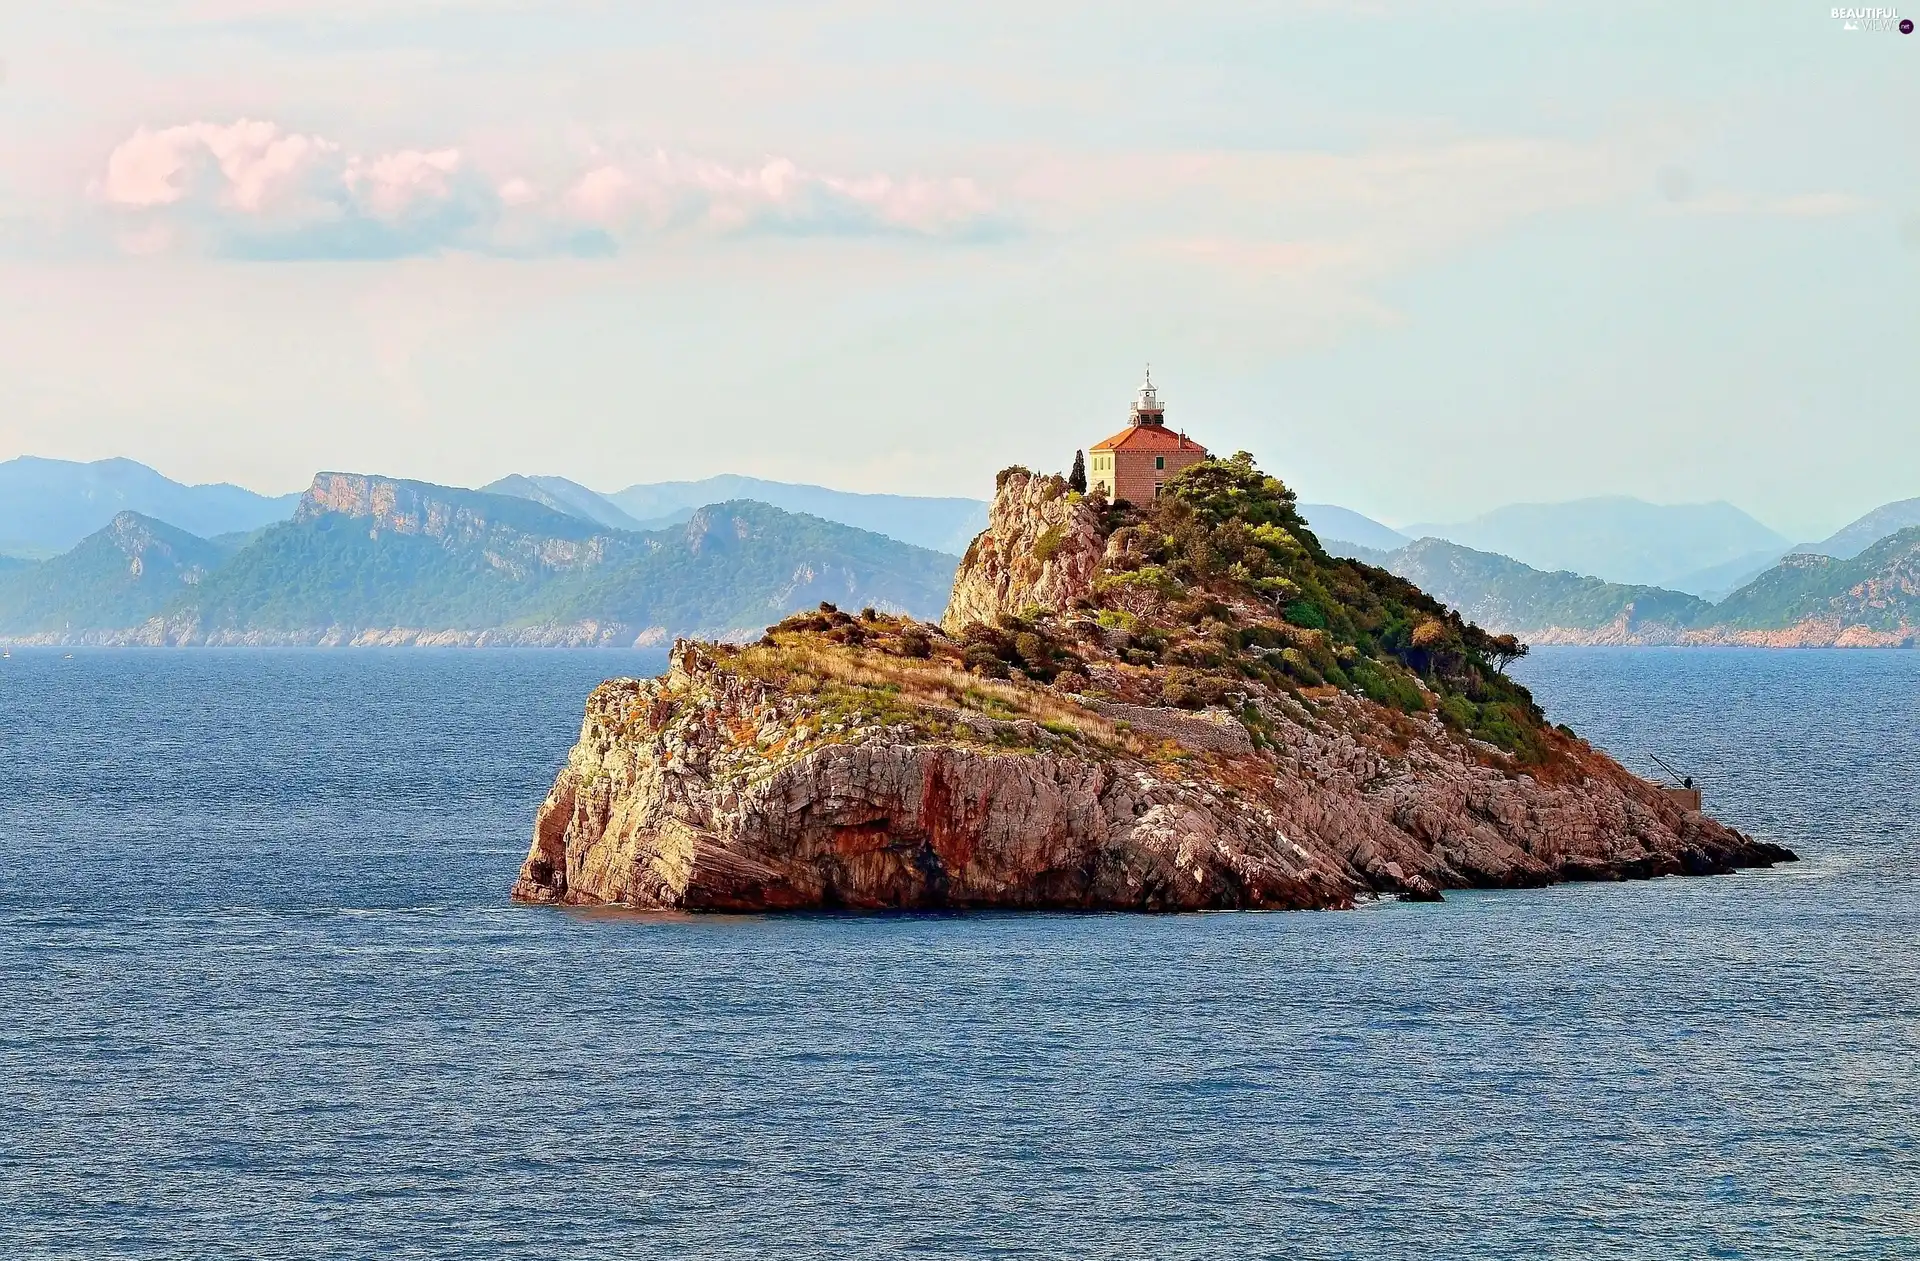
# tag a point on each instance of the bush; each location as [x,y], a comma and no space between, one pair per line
[914,642]
[1183,696]
[1035,654]
[1306,613]
[981,659]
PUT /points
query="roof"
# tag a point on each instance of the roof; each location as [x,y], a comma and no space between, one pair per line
[1148,438]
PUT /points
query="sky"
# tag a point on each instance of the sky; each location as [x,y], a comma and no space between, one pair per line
[1422,259]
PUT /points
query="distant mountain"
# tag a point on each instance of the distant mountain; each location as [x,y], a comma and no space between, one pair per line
[945,525]
[1871,600]
[1716,582]
[1617,538]
[380,560]
[47,506]
[1505,596]
[119,576]
[1330,521]
[1887,519]
[1719,581]
[571,498]
[1356,551]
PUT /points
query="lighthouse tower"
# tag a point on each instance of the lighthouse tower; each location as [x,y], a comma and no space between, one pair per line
[1146,408]
[1136,462]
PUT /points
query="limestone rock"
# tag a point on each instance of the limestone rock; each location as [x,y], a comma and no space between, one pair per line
[711,790]
[1042,547]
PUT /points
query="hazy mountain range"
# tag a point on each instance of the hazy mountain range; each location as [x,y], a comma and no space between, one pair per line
[944,525]
[1805,600]
[46,506]
[126,545]
[1707,550]
[374,560]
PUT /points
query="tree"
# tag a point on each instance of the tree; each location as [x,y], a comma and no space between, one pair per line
[1221,490]
[1077,480]
[1505,650]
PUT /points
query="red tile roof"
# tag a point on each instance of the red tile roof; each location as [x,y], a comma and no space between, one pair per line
[1148,438]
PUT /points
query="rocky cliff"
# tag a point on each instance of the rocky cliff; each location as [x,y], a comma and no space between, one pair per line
[1041,548]
[1180,707]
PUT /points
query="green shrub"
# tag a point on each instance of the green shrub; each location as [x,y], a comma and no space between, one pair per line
[1306,613]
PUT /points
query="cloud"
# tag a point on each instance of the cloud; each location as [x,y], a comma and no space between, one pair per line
[251,189]
[1676,187]
[662,192]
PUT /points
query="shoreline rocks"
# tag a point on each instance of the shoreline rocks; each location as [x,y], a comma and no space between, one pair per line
[708,790]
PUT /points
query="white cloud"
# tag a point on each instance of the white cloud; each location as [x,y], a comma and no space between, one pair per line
[252,189]
[666,192]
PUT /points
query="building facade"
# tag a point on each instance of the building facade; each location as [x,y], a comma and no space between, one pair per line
[1136,462]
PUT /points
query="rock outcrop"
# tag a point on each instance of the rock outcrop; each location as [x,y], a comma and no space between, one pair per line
[1041,547]
[874,762]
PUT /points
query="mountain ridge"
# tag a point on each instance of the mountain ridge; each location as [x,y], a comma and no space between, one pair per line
[937,523]
[370,559]
[1805,600]
[1618,538]
[563,495]
[47,505]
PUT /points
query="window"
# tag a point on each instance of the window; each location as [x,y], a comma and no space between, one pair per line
[1156,489]
[1159,462]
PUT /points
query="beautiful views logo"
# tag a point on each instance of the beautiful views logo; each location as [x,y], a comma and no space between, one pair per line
[1874,19]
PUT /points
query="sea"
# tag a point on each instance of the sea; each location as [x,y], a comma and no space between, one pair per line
[262,994]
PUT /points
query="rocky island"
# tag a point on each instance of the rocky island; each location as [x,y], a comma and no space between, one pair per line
[1178,705]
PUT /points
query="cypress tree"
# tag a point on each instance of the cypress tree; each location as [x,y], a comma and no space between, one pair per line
[1077,480]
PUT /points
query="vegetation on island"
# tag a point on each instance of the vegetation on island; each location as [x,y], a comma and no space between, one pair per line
[1220,579]
[1878,589]
[1209,594]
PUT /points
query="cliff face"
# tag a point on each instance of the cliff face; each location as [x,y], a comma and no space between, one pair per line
[514,536]
[715,790]
[1041,547]
[1059,759]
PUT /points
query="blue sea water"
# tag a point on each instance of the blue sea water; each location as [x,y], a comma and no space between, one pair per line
[262,994]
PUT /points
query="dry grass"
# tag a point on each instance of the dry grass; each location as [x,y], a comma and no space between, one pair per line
[893,688]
